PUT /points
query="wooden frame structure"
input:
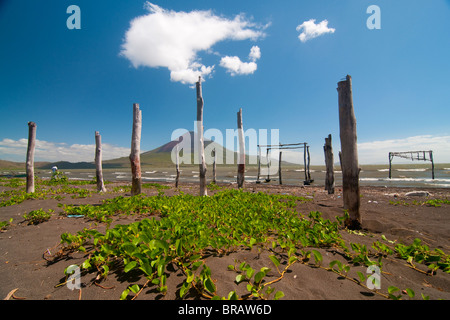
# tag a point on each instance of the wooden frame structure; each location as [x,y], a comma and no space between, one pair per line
[306,159]
[413,155]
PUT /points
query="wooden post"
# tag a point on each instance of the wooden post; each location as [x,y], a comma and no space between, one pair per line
[98,162]
[390,164]
[304,165]
[329,159]
[241,158]
[30,156]
[268,165]
[201,146]
[279,167]
[135,157]
[432,165]
[350,169]
[214,167]
[177,166]
[259,165]
[308,163]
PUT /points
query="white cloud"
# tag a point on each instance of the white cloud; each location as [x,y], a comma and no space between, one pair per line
[255,53]
[311,30]
[235,66]
[170,39]
[51,151]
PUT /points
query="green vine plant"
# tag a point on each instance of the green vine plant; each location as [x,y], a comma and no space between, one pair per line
[180,231]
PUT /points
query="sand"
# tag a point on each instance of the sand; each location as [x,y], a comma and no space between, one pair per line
[22,246]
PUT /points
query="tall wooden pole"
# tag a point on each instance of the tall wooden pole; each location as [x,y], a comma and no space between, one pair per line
[177,166]
[241,158]
[259,165]
[30,156]
[390,164]
[98,162]
[279,167]
[350,168]
[306,182]
[329,159]
[308,163]
[432,164]
[214,166]
[135,157]
[201,146]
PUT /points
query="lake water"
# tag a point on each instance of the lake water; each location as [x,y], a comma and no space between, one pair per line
[407,175]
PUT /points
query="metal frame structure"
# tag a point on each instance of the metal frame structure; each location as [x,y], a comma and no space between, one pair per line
[306,159]
[413,155]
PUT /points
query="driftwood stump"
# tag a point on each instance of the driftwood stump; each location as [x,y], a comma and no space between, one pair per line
[329,159]
[349,154]
[98,163]
[201,146]
[241,158]
[135,158]
[30,156]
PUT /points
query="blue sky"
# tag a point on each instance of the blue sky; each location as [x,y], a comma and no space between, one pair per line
[73,82]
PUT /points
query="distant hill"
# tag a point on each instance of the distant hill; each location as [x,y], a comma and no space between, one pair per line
[160,156]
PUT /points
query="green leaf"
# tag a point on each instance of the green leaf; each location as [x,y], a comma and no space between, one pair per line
[190,276]
[361,276]
[184,289]
[278,295]
[334,262]
[130,266]
[86,264]
[232,295]
[259,276]
[135,288]
[265,270]
[250,272]
[392,289]
[240,278]
[317,256]
[231,267]
[275,260]
[209,285]
[161,269]
[410,293]
[145,266]
[124,294]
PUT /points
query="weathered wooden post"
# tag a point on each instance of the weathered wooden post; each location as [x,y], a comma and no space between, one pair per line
[432,164]
[306,182]
[308,163]
[259,165]
[241,158]
[268,165]
[329,159]
[201,146]
[30,156]
[135,157]
[391,156]
[350,169]
[98,162]
[214,167]
[177,166]
[279,167]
